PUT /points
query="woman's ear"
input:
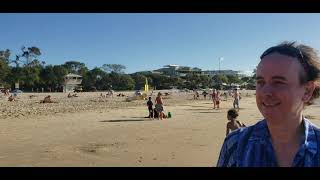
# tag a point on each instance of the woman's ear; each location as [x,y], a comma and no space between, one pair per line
[309,88]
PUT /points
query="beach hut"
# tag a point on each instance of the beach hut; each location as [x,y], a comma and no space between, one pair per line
[71,82]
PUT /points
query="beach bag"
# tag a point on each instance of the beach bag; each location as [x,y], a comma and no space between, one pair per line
[159,107]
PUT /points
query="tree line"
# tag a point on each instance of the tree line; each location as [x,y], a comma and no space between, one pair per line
[33,74]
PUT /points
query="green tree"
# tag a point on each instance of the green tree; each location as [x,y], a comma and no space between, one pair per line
[206,81]
[60,71]
[94,78]
[4,67]
[233,79]
[48,78]
[121,81]
[116,68]
[140,80]
[218,80]
[31,77]
[4,72]
[178,82]
[76,67]
[5,55]
[252,81]
[30,54]
[16,75]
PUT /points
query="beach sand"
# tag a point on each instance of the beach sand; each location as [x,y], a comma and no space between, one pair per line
[93,131]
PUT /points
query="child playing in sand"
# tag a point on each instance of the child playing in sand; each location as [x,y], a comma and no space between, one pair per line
[233,124]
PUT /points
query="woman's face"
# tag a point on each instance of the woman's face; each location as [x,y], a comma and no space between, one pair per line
[279,94]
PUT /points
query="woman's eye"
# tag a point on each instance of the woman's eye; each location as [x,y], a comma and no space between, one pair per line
[259,82]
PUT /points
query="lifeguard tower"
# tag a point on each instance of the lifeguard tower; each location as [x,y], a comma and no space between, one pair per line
[71,82]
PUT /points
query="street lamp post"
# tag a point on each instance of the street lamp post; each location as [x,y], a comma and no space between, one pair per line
[220,59]
[220,82]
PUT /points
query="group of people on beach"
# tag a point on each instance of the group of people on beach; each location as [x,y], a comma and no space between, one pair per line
[73,95]
[158,110]
[216,97]
[6,92]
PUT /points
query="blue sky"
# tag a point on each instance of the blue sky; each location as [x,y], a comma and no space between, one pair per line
[147,41]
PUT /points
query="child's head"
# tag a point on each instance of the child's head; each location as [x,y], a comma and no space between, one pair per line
[150,98]
[232,114]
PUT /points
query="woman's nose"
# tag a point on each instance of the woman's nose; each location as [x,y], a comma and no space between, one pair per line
[267,89]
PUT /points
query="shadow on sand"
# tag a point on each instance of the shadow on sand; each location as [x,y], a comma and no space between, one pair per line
[199,109]
[208,112]
[126,120]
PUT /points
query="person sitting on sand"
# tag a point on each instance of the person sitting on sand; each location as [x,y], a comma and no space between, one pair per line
[73,95]
[31,96]
[11,98]
[47,99]
[233,124]
[7,92]
[121,95]
[102,96]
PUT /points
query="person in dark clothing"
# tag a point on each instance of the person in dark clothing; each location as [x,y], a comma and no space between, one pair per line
[150,108]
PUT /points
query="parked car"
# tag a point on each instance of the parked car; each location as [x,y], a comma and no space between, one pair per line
[16,91]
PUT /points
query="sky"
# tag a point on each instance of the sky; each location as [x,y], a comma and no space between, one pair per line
[148,41]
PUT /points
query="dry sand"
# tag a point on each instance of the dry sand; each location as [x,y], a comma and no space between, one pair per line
[93,131]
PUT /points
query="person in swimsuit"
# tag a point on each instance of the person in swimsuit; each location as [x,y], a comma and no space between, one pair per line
[159,106]
[233,124]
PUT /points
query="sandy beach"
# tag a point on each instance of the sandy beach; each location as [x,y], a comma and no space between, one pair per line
[92,131]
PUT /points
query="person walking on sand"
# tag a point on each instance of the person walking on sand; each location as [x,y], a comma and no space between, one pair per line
[159,106]
[236,98]
[217,99]
[214,94]
[233,124]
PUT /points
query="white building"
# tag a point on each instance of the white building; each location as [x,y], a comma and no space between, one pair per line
[71,81]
